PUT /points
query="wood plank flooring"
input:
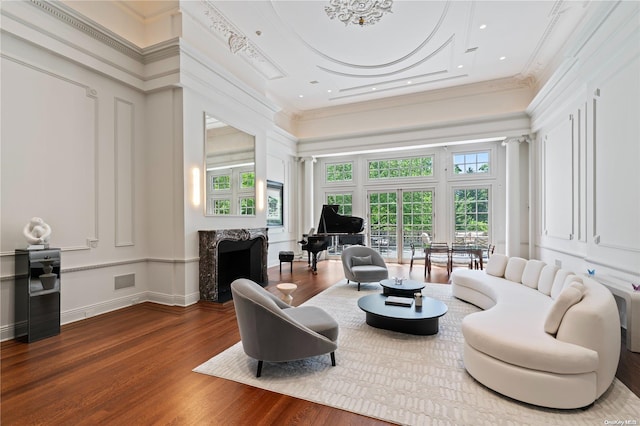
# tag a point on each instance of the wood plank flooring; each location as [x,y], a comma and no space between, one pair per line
[133,367]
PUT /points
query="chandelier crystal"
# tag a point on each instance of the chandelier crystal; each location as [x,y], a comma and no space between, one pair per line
[358,12]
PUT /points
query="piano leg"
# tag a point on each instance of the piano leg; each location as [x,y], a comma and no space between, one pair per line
[314,266]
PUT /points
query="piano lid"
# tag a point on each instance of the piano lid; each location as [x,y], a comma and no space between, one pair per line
[331,222]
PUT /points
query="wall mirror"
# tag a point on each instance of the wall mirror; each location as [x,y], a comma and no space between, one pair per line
[230,178]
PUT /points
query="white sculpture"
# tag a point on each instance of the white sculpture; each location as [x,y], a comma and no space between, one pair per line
[37,231]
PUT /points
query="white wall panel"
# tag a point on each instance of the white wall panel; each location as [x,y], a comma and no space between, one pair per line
[616,156]
[49,145]
[558,181]
[124,172]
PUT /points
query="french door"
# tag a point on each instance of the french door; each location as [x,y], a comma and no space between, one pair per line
[398,218]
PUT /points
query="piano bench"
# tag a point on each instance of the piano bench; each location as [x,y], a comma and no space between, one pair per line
[286,256]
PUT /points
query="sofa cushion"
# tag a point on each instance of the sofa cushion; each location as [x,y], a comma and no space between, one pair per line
[568,297]
[558,282]
[361,260]
[531,273]
[368,273]
[514,333]
[545,282]
[514,269]
[496,265]
[317,319]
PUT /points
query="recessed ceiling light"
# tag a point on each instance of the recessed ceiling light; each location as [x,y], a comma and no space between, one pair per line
[460,66]
[301,96]
[373,88]
[502,58]
[409,82]
[483,26]
[329,91]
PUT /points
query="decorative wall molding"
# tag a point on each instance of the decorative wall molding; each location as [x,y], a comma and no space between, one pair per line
[96,266]
[90,93]
[606,123]
[558,181]
[68,15]
[120,60]
[124,172]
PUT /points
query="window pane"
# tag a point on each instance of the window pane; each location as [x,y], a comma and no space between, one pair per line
[221,183]
[342,200]
[248,206]
[247,180]
[471,215]
[401,168]
[339,172]
[222,207]
[471,163]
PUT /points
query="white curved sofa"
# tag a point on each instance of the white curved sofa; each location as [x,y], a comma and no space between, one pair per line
[546,336]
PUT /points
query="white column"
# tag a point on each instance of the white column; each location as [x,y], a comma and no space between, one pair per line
[512,243]
[308,206]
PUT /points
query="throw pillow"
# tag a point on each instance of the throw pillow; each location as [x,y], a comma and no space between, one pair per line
[496,265]
[531,273]
[359,261]
[545,282]
[558,282]
[568,297]
[514,269]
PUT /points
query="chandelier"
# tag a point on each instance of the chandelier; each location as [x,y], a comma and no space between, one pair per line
[360,12]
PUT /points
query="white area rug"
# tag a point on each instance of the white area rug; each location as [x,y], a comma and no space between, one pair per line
[406,379]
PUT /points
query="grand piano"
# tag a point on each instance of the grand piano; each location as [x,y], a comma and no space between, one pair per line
[333,228]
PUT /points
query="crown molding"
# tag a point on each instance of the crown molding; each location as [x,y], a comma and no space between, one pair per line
[91,28]
[463,91]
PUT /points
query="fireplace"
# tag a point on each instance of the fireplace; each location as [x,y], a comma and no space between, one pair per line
[228,254]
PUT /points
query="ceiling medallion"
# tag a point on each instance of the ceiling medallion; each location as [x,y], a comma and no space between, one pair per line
[360,12]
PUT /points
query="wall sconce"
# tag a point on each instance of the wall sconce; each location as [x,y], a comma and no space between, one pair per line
[260,195]
[195,186]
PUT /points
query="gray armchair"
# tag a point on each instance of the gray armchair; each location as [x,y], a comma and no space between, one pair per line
[363,265]
[273,331]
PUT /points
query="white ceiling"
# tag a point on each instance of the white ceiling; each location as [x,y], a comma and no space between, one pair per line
[308,61]
[302,60]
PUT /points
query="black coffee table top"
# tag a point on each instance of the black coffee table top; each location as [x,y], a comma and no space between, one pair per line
[406,286]
[374,304]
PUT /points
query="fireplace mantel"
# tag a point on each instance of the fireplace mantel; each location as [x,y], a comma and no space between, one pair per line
[244,253]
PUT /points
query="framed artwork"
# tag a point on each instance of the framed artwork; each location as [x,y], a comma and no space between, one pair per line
[274,203]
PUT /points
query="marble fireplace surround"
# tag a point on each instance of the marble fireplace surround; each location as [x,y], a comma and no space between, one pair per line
[227,254]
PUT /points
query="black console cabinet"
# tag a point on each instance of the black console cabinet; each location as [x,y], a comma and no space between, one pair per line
[37,294]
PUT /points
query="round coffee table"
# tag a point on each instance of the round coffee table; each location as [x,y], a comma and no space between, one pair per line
[406,289]
[405,319]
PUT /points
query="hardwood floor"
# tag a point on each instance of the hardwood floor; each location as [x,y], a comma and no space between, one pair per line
[133,366]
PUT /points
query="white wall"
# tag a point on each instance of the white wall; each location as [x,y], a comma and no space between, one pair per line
[587,152]
[79,150]
[73,153]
